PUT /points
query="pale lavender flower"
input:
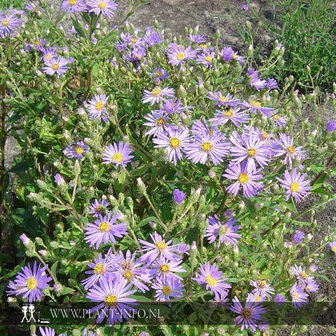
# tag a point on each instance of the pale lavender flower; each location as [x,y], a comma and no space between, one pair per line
[222,100]
[104,7]
[73,6]
[179,196]
[295,185]
[8,24]
[167,289]
[56,65]
[298,236]
[152,37]
[46,331]
[235,115]
[32,7]
[333,246]
[178,54]
[98,208]
[228,54]
[48,54]
[201,129]
[331,126]
[279,298]
[158,122]
[113,293]
[310,286]
[299,297]
[162,268]
[118,154]
[207,147]
[213,279]
[271,84]
[248,316]
[174,140]
[244,7]
[159,74]
[255,297]
[25,240]
[158,247]
[278,120]
[76,150]
[59,180]
[197,38]
[256,107]
[171,107]
[262,288]
[104,230]
[157,95]
[300,273]
[30,282]
[206,58]
[247,180]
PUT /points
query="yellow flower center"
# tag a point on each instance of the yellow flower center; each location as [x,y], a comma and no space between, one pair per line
[72,2]
[291,150]
[257,298]
[208,58]
[55,66]
[104,226]
[160,121]
[37,43]
[295,187]
[156,92]
[31,283]
[164,268]
[48,56]
[210,280]
[128,275]
[134,40]
[117,157]
[99,269]
[295,295]
[79,150]
[174,142]
[207,146]
[275,117]
[111,300]
[235,56]
[101,5]
[158,73]
[5,22]
[161,245]
[228,114]
[251,152]
[99,105]
[223,99]
[166,290]
[243,178]
[203,46]
[334,248]
[180,56]
[303,275]
[255,104]
[264,135]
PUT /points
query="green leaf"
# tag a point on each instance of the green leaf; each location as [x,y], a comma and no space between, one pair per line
[107,39]
[320,191]
[80,31]
[146,221]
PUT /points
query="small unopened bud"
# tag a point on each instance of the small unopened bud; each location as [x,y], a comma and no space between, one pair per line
[25,240]
[141,186]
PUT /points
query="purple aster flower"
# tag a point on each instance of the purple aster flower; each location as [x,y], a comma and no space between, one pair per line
[159,74]
[212,278]
[235,115]
[159,247]
[157,95]
[172,107]
[222,100]
[59,180]
[299,297]
[152,37]
[206,58]
[76,150]
[104,230]
[244,7]
[295,185]
[256,107]
[174,140]
[113,293]
[298,236]
[255,297]
[331,126]
[30,282]
[255,81]
[119,154]
[132,270]
[162,268]
[8,24]
[300,274]
[97,108]
[177,54]
[311,286]
[46,331]
[100,268]
[285,147]
[56,65]
[48,54]
[197,38]
[279,298]
[31,7]
[245,179]
[228,54]
[158,122]
[207,147]
[103,7]
[201,129]
[249,148]
[333,246]
[98,208]
[248,315]
[271,84]
[167,289]
[278,120]
[179,196]
[73,5]
[262,288]
[226,233]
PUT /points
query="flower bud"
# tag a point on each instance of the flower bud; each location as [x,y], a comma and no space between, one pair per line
[141,186]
